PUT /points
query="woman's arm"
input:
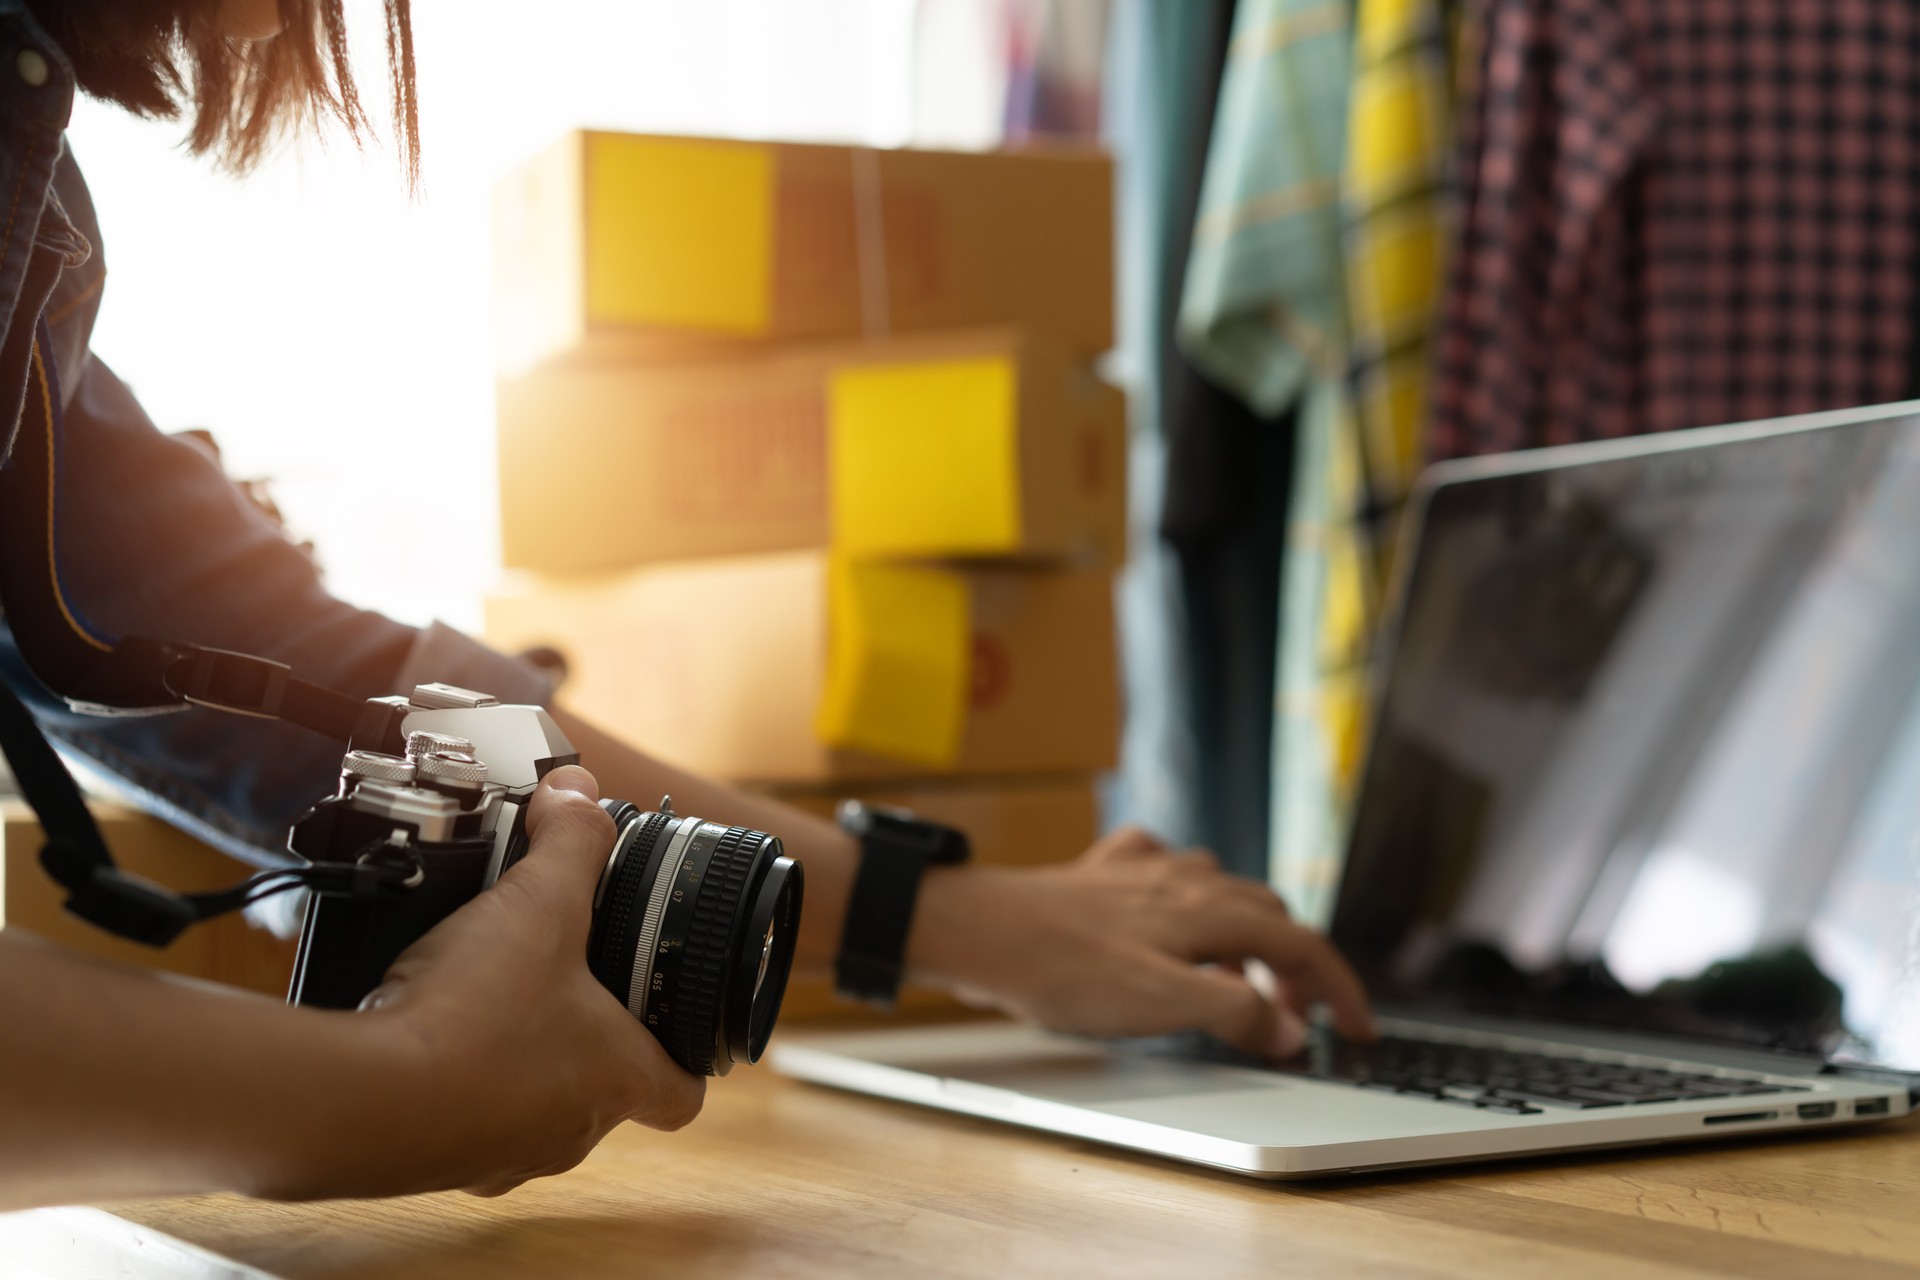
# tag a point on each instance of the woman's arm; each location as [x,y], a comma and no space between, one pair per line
[155,540]
[1131,938]
[120,1082]
[489,1056]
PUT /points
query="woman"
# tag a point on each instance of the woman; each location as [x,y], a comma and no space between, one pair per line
[490,1054]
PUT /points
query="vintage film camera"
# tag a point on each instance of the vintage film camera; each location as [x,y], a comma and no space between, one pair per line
[694,924]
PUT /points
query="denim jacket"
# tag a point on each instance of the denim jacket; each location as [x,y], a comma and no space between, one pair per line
[152,539]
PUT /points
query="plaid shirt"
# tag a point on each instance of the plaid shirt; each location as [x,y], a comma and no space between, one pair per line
[1264,313]
[1264,308]
[1678,213]
[1398,150]
[1358,459]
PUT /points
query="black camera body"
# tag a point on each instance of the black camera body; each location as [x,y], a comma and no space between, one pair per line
[694,924]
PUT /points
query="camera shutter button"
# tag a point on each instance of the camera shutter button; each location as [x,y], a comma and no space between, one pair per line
[452,766]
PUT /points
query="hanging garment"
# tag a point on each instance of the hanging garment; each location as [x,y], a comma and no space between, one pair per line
[1399,144]
[1677,213]
[1320,685]
[1392,193]
[1226,468]
[1264,314]
[1157,86]
[1056,54]
[988,73]
[1264,308]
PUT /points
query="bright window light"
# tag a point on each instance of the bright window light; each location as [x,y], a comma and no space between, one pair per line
[337,336]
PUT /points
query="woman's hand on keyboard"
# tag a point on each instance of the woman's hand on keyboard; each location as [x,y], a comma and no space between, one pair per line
[1133,938]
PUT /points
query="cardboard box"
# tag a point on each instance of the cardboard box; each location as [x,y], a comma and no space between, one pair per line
[802,668]
[227,950]
[608,238]
[1025,822]
[992,443]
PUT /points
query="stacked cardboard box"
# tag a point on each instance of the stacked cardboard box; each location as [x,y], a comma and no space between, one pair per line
[805,473]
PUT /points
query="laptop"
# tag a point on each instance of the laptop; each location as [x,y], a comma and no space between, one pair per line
[1636,854]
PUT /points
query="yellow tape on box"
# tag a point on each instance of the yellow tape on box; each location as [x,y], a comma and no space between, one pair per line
[989,443]
[739,666]
[925,455]
[611,246]
[897,662]
[681,232]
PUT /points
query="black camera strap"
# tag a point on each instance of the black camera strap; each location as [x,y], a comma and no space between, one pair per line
[135,675]
[103,894]
[109,675]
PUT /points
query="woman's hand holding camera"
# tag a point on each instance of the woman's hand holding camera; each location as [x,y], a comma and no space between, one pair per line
[496,1054]
[1133,938]
[516,1061]
[489,1056]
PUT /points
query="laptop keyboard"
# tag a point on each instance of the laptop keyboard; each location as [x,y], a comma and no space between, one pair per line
[1509,1081]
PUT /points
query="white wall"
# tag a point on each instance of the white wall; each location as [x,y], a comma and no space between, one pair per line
[336,335]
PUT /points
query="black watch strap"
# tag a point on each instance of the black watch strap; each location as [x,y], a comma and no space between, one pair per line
[896,849]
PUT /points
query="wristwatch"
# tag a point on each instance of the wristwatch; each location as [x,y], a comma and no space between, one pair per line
[896,848]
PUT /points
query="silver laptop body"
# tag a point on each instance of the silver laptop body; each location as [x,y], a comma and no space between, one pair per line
[1636,858]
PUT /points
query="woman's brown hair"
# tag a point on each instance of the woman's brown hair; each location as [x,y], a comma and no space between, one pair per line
[162,57]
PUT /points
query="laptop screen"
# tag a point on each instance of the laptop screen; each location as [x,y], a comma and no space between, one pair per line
[1649,750]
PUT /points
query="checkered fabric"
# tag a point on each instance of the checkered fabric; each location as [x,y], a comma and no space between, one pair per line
[1361,458]
[1680,212]
[1264,307]
[1399,145]
[1264,314]
[1320,689]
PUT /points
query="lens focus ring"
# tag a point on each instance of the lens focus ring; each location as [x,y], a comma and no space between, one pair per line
[617,925]
[691,1036]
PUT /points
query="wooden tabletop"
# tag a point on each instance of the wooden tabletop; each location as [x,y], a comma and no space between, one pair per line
[785,1179]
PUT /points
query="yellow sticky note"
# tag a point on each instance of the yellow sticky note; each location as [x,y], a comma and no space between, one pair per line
[679,232]
[898,661]
[924,457]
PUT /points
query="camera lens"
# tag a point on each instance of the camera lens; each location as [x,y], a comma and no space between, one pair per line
[694,927]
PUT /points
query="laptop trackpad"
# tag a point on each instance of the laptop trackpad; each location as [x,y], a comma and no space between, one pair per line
[1095,1078]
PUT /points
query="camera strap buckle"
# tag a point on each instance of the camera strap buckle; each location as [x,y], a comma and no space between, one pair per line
[229,681]
[253,686]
